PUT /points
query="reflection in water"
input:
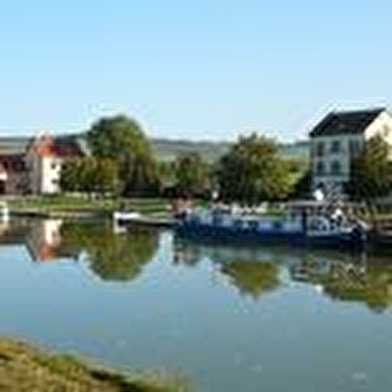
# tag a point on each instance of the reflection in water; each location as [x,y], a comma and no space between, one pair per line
[252,271]
[369,281]
[44,239]
[251,277]
[356,278]
[110,256]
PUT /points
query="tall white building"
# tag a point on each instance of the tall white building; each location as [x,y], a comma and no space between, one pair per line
[339,137]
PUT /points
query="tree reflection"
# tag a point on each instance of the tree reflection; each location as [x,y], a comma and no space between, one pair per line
[368,282]
[110,256]
[244,266]
[252,278]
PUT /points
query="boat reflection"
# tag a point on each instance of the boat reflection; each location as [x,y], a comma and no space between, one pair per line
[365,278]
[368,282]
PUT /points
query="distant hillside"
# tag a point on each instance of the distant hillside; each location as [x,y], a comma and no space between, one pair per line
[166,149]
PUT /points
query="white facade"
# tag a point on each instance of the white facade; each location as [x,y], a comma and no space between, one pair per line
[50,178]
[331,155]
[44,160]
[44,174]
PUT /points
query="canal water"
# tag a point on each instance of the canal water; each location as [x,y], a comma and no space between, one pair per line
[215,317]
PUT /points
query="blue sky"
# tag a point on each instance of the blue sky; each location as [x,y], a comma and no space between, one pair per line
[206,69]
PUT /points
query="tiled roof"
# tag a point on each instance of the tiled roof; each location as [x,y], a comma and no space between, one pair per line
[66,147]
[61,147]
[338,123]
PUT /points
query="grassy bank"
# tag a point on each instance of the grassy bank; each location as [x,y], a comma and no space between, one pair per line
[80,204]
[27,368]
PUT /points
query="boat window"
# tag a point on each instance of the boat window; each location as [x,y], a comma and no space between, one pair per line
[253,224]
[278,225]
[238,223]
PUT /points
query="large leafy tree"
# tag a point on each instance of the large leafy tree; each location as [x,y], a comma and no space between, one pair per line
[191,174]
[371,172]
[122,139]
[252,171]
[90,175]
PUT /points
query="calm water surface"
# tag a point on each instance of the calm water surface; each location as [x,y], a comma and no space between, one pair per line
[221,318]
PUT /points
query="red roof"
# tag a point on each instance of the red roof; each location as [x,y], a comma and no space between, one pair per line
[46,146]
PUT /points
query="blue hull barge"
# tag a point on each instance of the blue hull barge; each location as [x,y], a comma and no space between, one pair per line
[312,226]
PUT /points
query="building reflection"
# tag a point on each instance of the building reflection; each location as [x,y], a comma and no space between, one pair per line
[44,240]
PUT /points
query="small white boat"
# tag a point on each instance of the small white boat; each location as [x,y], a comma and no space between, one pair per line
[125,216]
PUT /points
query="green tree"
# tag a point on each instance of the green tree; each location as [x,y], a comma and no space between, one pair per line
[109,256]
[252,171]
[90,175]
[192,175]
[371,172]
[167,172]
[122,139]
[302,186]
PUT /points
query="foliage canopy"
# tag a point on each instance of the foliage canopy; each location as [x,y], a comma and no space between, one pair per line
[371,171]
[252,171]
[122,139]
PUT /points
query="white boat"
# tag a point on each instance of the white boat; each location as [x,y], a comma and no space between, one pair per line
[125,216]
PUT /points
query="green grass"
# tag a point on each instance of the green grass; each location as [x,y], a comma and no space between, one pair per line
[27,368]
[81,203]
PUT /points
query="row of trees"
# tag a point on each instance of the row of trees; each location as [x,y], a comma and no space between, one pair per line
[123,162]
[251,171]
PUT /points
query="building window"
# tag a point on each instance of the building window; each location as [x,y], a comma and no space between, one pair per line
[320,147]
[335,146]
[335,168]
[320,168]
